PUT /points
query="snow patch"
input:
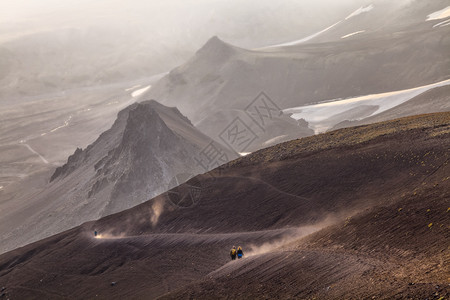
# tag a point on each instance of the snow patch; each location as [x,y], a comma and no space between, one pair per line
[1,187]
[274,140]
[244,153]
[440,14]
[318,115]
[310,37]
[140,91]
[360,10]
[303,39]
[352,34]
[132,88]
[442,24]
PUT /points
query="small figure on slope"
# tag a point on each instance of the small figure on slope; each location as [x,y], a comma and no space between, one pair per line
[239,252]
[233,253]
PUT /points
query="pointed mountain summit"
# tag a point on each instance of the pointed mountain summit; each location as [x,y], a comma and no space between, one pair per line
[389,56]
[216,49]
[147,147]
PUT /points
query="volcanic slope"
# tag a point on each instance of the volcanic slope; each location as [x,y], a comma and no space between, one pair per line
[354,213]
[147,147]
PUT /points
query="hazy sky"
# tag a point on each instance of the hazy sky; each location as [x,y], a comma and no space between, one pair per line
[22,9]
[64,41]
[169,17]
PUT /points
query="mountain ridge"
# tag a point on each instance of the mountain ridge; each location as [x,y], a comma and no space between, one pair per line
[148,146]
[226,84]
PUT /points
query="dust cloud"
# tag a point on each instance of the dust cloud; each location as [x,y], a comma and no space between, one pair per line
[291,236]
[155,211]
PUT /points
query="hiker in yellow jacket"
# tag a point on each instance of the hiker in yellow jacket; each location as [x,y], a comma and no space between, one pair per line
[233,253]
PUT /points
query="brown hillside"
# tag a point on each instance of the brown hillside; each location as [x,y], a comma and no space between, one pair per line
[373,190]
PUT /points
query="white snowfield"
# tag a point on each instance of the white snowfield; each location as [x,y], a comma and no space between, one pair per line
[442,24]
[440,14]
[360,10]
[274,140]
[139,92]
[132,88]
[310,37]
[318,115]
[244,153]
[352,34]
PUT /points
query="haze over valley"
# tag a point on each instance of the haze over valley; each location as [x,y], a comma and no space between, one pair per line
[314,134]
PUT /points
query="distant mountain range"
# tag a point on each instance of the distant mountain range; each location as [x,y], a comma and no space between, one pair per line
[52,47]
[387,47]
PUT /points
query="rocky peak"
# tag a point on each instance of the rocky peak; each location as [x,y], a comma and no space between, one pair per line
[146,128]
[215,48]
[163,111]
[105,142]
[72,162]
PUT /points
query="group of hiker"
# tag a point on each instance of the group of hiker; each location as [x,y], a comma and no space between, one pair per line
[236,252]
